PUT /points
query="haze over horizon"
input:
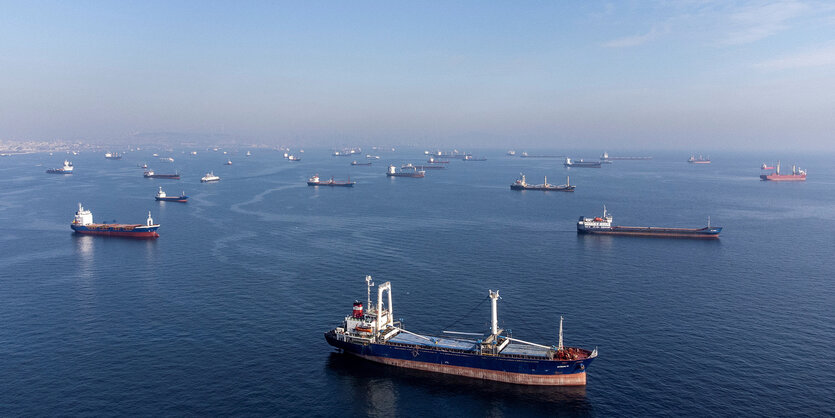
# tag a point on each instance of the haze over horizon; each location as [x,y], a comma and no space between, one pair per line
[687,75]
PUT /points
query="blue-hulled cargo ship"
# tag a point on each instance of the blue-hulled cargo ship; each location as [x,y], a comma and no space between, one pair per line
[374,335]
[83,224]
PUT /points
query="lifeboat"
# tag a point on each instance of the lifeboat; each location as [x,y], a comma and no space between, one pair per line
[598,219]
[364,329]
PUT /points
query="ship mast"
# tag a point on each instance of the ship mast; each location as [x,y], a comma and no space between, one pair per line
[559,347]
[369,283]
[494,319]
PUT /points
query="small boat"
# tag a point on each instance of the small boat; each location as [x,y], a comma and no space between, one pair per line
[143,165]
[248,154]
[228,162]
[113,156]
[315,181]
[210,176]
[766,167]
[294,158]
[66,169]
[162,197]
[167,159]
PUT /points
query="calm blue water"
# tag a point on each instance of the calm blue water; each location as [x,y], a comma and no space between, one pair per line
[224,313]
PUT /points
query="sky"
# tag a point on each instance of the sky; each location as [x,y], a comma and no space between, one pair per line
[694,75]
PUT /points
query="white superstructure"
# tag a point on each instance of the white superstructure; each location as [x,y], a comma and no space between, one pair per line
[161,193]
[82,216]
[604,222]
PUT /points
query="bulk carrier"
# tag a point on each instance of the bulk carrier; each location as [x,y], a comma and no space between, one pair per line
[150,174]
[522,184]
[796,175]
[603,226]
[374,335]
[83,224]
[409,173]
[66,169]
[315,181]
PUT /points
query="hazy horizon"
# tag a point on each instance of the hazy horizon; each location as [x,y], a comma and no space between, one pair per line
[605,75]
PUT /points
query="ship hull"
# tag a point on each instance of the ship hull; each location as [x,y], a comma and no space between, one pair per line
[404,175]
[523,371]
[583,165]
[128,231]
[163,176]
[313,183]
[543,188]
[181,199]
[781,177]
[701,233]
[58,171]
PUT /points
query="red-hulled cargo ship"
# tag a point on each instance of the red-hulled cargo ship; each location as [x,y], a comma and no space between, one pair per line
[796,175]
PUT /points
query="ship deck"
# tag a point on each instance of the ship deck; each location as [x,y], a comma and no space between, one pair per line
[511,350]
[450,343]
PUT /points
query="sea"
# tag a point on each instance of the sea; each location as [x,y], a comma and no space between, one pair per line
[224,313]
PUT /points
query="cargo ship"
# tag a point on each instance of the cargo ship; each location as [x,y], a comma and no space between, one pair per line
[112,156]
[358,163]
[521,184]
[66,169]
[526,155]
[410,173]
[163,197]
[603,226]
[796,175]
[210,176]
[83,224]
[374,335]
[411,166]
[432,160]
[471,158]
[314,181]
[606,158]
[581,163]
[766,167]
[150,174]
[699,160]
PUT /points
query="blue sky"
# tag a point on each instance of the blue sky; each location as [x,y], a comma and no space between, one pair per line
[642,74]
